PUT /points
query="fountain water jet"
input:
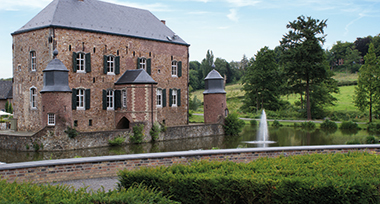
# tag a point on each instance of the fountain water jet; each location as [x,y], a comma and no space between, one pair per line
[262,132]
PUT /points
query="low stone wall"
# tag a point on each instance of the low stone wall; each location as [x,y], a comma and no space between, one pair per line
[54,139]
[95,167]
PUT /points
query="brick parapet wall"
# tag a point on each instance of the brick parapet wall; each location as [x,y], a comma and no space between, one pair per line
[95,167]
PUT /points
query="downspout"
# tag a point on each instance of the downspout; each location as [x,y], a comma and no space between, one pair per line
[152,102]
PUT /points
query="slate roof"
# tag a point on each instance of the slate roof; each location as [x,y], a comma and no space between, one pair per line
[6,90]
[103,17]
[135,76]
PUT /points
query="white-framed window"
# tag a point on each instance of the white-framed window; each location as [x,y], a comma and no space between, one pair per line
[110,100]
[124,98]
[51,119]
[174,68]
[110,64]
[159,98]
[33,98]
[143,63]
[174,97]
[33,61]
[81,62]
[80,99]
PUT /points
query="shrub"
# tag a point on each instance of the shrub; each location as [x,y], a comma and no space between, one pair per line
[373,127]
[233,125]
[308,125]
[355,141]
[328,124]
[371,140]
[253,122]
[42,193]
[155,131]
[71,132]
[36,146]
[117,141]
[194,103]
[138,134]
[325,178]
[349,125]
[276,124]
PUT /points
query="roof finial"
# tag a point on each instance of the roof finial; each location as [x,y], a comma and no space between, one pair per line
[55,53]
[213,65]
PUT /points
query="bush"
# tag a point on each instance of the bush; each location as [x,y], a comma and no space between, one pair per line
[308,125]
[349,125]
[373,127]
[117,141]
[138,134]
[371,140]
[253,122]
[233,125]
[194,103]
[42,193]
[325,178]
[328,124]
[71,132]
[352,142]
[276,124]
[155,131]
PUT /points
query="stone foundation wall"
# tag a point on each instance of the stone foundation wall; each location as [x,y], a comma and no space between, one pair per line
[54,138]
[95,167]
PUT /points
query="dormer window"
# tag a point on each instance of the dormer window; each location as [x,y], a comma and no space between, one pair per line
[33,61]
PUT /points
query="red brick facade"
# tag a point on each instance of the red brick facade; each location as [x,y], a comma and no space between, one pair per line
[215,106]
[98,45]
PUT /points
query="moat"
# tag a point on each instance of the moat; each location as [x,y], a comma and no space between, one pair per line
[283,136]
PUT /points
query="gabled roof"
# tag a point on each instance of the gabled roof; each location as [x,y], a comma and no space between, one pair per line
[5,90]
[135,76]
[98,16]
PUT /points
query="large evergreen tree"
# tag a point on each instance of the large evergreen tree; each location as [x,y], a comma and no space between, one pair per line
[303,57]
[262,82]
[367,93]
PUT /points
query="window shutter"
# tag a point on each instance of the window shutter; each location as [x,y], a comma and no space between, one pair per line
[170,98]
[138,63]
[117,65]
[179,97]
[74,99]
[88,62]
[117,99]
[179,64]
[148,66]
[88,98]
[104,64]
[164,98]
[75,62]
[104,100]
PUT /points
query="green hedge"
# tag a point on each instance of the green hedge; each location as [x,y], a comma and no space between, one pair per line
[316,178]
[39,193]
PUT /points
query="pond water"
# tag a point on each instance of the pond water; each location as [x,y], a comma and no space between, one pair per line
[283,136]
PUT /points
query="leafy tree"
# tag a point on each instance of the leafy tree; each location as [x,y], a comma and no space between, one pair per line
[206,65]
[236,72]
[194,80]
[221,66]
[362,45]
[262,82]
[352,60]
[367,93]
[244,62]
[339,52]
[303,57]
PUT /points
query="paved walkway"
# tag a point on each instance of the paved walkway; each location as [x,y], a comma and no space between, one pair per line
[109,183]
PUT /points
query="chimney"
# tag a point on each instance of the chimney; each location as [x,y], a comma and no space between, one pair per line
[163,21]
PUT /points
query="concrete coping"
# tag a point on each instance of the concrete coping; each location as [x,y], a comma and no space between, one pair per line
[191,153]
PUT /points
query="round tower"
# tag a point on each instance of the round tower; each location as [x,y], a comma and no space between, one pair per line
[56,95]
[214,98]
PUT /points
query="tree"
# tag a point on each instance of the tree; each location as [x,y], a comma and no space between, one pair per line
[352,60]
[244,62]
[362,45]
[367,93]
[339,52]
[262,82]
[206,65]
[303,57]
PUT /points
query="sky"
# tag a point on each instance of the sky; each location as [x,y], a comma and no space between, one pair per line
[229,28]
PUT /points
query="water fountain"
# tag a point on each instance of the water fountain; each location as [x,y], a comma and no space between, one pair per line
[262,132]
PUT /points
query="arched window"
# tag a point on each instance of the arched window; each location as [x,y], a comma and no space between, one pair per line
[33,98]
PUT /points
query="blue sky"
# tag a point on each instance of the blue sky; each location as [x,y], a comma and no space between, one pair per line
[230,28]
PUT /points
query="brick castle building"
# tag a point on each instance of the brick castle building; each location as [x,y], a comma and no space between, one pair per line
[125,67]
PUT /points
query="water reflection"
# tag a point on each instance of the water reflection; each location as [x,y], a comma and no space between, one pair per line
[284,136]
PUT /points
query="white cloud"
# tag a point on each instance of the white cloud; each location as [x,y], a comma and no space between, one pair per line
[242,3]
[233,15]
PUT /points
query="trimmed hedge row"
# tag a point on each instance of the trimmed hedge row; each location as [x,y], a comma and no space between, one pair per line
[37,193]
[316,178]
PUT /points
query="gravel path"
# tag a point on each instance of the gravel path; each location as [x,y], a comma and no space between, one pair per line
[109,183]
